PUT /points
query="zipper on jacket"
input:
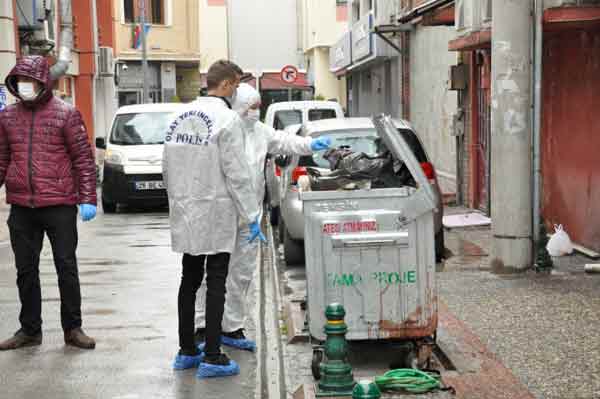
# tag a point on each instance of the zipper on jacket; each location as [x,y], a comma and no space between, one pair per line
[30,159]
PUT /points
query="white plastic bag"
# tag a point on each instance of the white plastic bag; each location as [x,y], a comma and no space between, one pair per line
[560,243]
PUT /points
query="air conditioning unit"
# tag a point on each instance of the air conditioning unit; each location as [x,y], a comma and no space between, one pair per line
[106,65]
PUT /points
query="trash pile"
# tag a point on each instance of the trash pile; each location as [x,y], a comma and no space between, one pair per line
[351,170]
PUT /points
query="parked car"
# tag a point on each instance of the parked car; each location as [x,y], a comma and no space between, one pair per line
[282,115]
[132,168]
[359,135]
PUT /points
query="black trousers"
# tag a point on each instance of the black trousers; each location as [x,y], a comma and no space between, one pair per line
[27,227]
[191,279]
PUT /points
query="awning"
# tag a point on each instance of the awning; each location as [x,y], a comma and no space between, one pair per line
[272,81]
[566,18]
[473,41]
[423,9]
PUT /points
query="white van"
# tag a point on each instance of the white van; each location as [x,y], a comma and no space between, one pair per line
[132,167]
[284,115]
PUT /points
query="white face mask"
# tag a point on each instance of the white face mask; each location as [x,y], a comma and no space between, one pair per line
[27,91]
[253,115]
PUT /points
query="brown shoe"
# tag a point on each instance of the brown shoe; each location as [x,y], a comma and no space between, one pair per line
[76,337]
[21,340]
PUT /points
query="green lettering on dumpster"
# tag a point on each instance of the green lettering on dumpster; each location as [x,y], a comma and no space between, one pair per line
[383,279]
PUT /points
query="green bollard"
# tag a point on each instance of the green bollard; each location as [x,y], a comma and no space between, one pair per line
[336,373]
[366,390]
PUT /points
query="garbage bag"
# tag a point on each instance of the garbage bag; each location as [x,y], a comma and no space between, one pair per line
[351,170]
[559,244]
[355,165]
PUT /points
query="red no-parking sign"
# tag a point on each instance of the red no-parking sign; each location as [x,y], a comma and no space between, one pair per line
[289,74]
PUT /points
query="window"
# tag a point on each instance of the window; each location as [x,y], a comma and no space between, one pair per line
[155,11]
[286,118]
[319,114]
[142,128]
[128,8]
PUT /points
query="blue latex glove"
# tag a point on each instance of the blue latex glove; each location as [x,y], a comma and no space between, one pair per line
[320,143]
[255,232]
[88,212]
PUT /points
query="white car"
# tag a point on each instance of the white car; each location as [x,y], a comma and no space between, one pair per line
[132,168]
[281,116]
[359,135]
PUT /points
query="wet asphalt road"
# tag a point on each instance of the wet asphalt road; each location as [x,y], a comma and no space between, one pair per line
[129,281]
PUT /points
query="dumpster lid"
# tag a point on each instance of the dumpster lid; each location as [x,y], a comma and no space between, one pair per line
[401,150]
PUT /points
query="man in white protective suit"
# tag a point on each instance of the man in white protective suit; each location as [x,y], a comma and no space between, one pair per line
[260,141]
[211,192]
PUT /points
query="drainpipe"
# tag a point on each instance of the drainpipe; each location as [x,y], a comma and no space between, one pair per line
[537,118]
[66,41]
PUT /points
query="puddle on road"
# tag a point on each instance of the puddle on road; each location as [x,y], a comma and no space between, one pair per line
[101,262]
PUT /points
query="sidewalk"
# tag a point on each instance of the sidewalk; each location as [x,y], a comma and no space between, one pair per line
[544,327]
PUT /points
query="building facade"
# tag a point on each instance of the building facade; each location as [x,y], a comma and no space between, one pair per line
[401,69]
[321,25]
[526,79]
[173,50]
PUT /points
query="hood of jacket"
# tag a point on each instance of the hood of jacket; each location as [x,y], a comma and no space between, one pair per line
[34,67]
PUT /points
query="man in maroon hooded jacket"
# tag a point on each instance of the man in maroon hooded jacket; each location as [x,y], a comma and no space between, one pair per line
[48,167]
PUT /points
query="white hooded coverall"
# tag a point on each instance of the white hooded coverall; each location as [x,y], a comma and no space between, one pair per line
[211,191]
[260,141]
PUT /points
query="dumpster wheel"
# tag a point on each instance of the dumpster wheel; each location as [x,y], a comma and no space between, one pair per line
[317,359]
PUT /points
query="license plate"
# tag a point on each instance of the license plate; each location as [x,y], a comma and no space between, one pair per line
[149,185]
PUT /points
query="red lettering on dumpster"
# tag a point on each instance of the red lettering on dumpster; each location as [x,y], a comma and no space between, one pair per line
[332,228]
[355,226]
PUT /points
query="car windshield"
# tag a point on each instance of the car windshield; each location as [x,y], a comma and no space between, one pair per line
[318,114]
[358,140]
[286,118]
[142,128]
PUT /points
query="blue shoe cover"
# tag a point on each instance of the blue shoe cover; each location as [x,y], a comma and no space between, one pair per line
[201,347]
[243,344]
[184,362]
[206,370]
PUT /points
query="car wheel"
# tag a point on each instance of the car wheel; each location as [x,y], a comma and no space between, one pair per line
[293,250]
[440,248]
[274,215]
[108,207]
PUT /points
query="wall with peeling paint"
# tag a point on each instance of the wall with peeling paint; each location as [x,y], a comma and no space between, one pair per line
[432,104]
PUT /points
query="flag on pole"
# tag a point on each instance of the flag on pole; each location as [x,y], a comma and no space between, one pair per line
[137,35]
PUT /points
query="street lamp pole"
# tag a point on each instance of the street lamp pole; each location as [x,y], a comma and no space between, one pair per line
[146,89]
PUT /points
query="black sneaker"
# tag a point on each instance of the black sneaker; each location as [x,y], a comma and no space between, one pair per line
[238,334]
[200,335]
[217,360]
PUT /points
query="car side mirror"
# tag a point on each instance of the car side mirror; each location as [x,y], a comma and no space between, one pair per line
[101,143]
[283,161]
